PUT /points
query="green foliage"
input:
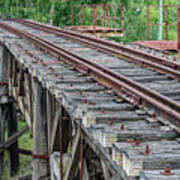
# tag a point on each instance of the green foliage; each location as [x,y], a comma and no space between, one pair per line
[58,12]
[24,142]
[136,20]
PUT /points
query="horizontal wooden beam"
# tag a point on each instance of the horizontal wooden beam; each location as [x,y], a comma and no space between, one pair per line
[25,152]
[13,139]
[26,177]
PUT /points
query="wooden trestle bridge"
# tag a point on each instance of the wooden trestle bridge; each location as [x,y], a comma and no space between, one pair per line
[96,109]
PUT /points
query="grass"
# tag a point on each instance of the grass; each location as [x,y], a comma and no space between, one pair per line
[25,142]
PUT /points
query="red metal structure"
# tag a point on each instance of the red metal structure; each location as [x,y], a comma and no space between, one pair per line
[98,17]
[179,28]
[166,20]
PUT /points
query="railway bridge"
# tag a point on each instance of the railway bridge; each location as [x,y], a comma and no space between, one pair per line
[96,109]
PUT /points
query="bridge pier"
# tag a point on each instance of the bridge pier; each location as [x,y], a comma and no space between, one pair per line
[40,137]
[12,129]
[3,92]
[7,113]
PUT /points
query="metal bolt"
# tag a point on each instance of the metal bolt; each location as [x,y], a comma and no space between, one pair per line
[167,171]
[122,126]
[43,63]
[80,92]
[147,150]
[102,111]
[153,115]
[137,143]
[93,103]
[85,101]
[129,140]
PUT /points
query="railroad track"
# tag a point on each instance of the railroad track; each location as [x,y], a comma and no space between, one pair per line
[127,52]
[156,90]
[113,121]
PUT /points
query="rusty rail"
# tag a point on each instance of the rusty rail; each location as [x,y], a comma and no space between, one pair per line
[157,63]
[166,19]
[107,77]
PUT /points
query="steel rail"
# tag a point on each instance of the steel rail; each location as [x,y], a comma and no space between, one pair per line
[104,75]
[136,56]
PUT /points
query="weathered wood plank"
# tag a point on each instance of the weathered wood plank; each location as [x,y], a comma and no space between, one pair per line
[85,171]
[3,93]
[74,162]
[12,129]
[40,148]
[158,175]
[161,153]
[50,121]
[55,125]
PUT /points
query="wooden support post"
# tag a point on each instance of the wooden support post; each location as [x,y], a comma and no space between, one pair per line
[85,171]
[81,156]
[3,92]
[10,71]
[29,82]
[40,148]
[73,164]
[50,121]
[12,129]
[54,144]
[105,171]
[66,130]
[61,146]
